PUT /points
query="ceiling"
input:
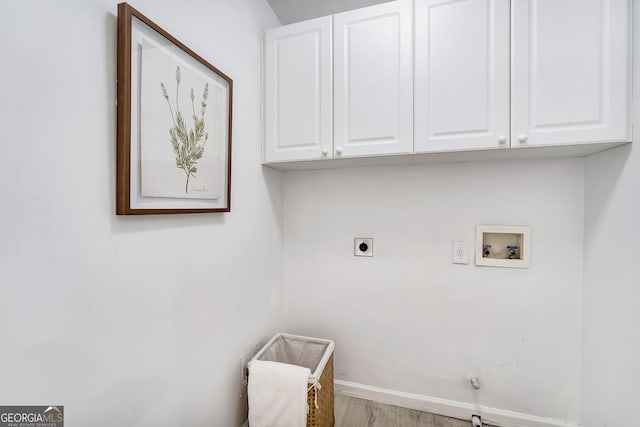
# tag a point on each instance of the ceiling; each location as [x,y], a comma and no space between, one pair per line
[289,11]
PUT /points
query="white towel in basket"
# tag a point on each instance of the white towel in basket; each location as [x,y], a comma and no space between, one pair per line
[277,394]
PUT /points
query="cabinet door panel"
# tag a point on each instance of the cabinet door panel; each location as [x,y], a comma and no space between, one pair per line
[298,93]
[571,72]
[373,111]
[461,74]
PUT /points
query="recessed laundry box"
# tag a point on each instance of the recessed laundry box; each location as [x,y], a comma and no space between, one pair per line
[316,354]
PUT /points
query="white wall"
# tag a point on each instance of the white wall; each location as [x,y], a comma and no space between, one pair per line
[126,321]
[611,337]
[409,320]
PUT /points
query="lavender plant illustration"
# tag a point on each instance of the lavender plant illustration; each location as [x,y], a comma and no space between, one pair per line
[187,144]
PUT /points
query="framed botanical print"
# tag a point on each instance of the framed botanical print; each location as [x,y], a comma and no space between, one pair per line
[173,125]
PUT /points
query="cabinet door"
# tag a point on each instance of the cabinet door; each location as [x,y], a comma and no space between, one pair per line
[461,74]
[373,84]
[571,72]
[298,94]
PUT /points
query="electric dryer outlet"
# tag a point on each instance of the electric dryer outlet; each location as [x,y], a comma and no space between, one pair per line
[363,246]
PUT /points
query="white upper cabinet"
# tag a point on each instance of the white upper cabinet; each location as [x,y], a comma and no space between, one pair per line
[461,75]
[373,80]
[570,72]
[431,78]
[298,92]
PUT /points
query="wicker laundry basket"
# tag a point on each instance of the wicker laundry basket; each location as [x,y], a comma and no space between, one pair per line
[315,354]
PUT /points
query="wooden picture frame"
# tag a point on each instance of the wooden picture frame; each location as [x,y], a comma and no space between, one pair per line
[167,162]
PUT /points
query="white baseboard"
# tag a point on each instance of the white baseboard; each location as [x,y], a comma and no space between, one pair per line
[449,408]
